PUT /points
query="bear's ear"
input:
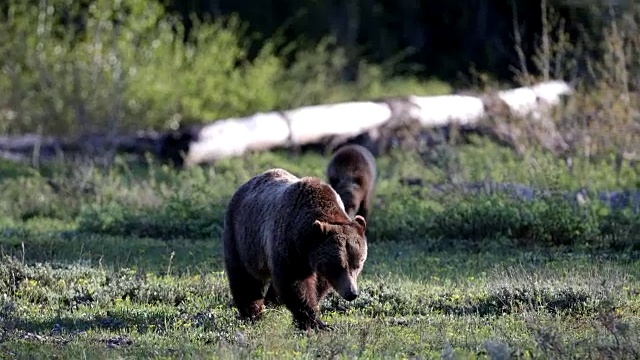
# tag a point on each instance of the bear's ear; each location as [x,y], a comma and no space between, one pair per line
[322,227]
[361,222]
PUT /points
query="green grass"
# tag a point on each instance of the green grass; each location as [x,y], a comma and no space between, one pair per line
[413,302]
[133,267]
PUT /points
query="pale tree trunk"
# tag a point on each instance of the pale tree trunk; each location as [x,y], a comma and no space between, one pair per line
[379,122]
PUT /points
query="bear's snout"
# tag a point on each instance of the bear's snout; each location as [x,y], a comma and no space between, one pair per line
[351,295]
[349,290]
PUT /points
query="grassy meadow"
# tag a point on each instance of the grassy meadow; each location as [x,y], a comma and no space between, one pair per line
[127,263]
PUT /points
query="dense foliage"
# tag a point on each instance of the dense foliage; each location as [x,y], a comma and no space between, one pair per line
[128,69]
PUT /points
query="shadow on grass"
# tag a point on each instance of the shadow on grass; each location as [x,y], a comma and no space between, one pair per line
[123,319]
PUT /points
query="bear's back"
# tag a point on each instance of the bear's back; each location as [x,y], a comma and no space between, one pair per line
[262,192]
[278,196]
[278,201]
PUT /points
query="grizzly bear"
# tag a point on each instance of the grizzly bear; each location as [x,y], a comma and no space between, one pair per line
[352,173]
[295,234]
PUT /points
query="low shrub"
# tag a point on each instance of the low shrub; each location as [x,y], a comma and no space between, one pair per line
[403,217]
[541,221]
[620,229]
[29,197]
[179,216]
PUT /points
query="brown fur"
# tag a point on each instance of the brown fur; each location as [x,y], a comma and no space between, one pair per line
[295,233]
[352,173]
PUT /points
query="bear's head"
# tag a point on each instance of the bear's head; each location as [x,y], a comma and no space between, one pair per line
[340,254]
[351,190]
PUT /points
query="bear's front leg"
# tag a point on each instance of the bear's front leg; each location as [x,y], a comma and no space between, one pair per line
[301,298]
[271,297]
[363,208]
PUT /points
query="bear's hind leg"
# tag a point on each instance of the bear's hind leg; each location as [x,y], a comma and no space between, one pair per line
[247,291]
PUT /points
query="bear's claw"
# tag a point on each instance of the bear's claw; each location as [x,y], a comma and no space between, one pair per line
[314,324]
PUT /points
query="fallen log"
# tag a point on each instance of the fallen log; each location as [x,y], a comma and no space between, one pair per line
[313,124]
[379,125]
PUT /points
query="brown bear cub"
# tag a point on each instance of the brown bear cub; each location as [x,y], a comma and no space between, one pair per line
[294,233]
[352,173]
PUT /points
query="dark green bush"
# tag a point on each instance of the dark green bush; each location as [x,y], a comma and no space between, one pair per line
[543,222]
[400,213]
[178,217]
[621,229]
[402,217]
[405,217]
[33,196]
